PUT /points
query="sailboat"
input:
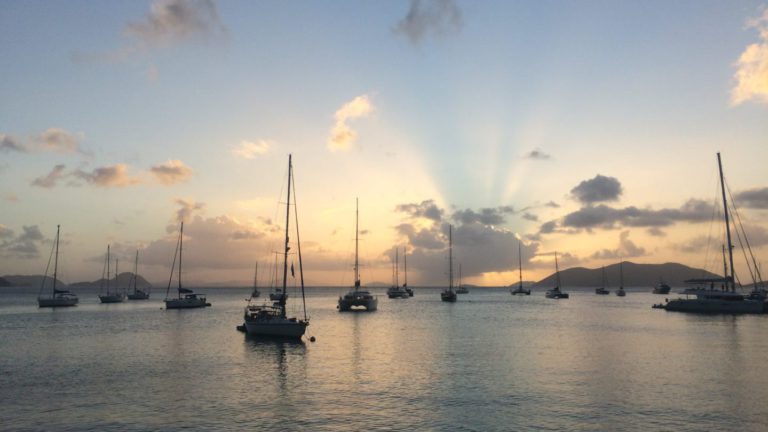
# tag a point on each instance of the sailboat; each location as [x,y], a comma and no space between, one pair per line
[448,294]
[395,291]
[255,291]
[137,294]
[721,299]
[602,290]
[276,293]
[405,268]
[620,292]
[661,287]
[356,298]
[59,297]
[110,297]
[556,293]
[272,320]
[461,289]
[189,299]
[520,289]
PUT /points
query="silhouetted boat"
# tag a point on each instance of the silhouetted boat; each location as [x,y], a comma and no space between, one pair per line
[722,299]
[661,288]
[556,293]
[395,291]
[405,267]
[272,320]
[109,296]
[356,298]
[602,290]
[461,289]
[255,293]
[59,297]
[520,289]
[448,294]
[137,293]
[620,292]
[186,299]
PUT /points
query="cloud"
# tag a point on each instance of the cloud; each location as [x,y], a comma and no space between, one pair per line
[598,189]
[173,21]
[342,136]
[50,180]
[430,17]
[530,217]
[425,238]
[251,149]
[59,141]
[9,143]
[485,216]
[626,249]
[656,232]
[108,176]
[753,198]
[426,209]
[171,172]
[752,66]
[602,216]
[552,204]
[23,246]
[537,155]
[186,209]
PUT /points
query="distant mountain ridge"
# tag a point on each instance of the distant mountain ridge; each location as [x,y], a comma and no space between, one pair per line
[635,275]
[31,281]
[122,282]
[35,280]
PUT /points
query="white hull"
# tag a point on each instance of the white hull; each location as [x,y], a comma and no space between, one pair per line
[716,306]
[57,302]
[185,303]
[277,327]
[346,305]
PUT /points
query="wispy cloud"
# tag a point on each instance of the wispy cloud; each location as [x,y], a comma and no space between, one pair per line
[537,155]
[342,136]
[752,66]
[24,246]
[60,141]
[174,21]
[430,18]
[51,179]
[626,249]
[252,149]
[9,143]
[108,176]
[171,172]
[753,198]
[187,208]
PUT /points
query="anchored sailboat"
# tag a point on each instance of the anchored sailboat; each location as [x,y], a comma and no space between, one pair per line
[556,293]
[461,289]
[108,296]
[255,293]
[448,294]
[272,320]
[59,297]
[405,268]
[620,292]
[604,281]
[395,291]
[357,299]
[137,294]
[520,289]
[189,299]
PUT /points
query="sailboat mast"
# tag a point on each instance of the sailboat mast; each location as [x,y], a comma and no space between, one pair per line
[557,272]
[285,253]
[520,262]
[357,267]
[298,248]
[621,274]
[135,271]
[109,276]
[181,246]
[117,273]
[256,276]
[450,257]
[405,266]
[397,268]
[725,265]
[727,224]
[56,261]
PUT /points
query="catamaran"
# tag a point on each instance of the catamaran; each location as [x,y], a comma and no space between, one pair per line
[556,293]
[448,294]
[520,289]
[59,297]
[108,296]
[137,294]
[186,298]
[356,298]
[272,320]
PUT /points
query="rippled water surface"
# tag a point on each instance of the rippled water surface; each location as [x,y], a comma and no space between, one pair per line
[491,361]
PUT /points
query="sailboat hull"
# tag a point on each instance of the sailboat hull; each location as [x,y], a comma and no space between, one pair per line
[138,295]
[57,302]
[357,304]
[277,327]
[715,306]
[186,303]
[111,298]
[448,296]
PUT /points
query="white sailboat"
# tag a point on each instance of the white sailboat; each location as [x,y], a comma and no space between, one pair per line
[448,294]
[109,296]
[520,289]
[186,298]
[356,298]
[620,292]
[717,295]
[272,320]
[58,297]
[556,293]
[137,293]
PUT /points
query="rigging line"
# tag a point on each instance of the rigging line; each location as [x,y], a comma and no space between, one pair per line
[715,213]
[47,266]
[746,240]
[298,246]
[173,266]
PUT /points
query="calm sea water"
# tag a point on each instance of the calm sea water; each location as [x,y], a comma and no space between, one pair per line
[491,361]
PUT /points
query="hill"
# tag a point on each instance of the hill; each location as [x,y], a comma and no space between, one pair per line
[31,281]
[123,280]
[635,275]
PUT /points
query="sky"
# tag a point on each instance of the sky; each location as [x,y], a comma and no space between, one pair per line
[584,128]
